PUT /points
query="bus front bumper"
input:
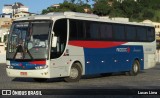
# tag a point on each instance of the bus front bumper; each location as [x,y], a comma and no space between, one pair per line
[41,73]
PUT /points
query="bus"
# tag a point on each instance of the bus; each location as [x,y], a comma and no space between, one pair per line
[71,45]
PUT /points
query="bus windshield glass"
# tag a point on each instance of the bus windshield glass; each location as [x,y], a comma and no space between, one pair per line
[29,40]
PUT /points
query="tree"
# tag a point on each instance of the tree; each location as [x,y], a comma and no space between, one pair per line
[116,10]
[129,8]
[44,11]
[101,8]
[136,11]
[148,14]
[68,5]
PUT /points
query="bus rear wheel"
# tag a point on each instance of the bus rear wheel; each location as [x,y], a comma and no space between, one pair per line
[135,68]
[75,74]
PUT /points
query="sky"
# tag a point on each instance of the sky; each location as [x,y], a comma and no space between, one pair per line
[35,6]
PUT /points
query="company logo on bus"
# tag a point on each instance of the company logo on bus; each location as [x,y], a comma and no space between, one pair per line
[123,50]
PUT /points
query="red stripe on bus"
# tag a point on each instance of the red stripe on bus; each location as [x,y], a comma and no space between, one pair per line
[39,62]
[95,44]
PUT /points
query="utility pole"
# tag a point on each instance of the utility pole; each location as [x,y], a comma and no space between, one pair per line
[14,8]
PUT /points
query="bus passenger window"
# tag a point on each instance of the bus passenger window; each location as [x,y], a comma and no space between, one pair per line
[141,34]
[119,33]
[73,30]
[150,34]
[131,33]
[106,31]
[94,31]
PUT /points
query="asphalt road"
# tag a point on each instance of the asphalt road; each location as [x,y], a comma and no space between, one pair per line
[146,79]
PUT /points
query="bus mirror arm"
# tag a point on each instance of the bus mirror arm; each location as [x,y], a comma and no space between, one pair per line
[54,41]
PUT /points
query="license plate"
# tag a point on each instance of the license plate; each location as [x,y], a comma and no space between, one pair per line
[23,73]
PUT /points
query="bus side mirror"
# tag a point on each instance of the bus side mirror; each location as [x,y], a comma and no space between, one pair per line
[54,41]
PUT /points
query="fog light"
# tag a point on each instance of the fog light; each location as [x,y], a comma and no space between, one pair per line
[9,67]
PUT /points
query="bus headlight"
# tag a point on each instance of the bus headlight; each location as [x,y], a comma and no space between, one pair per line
[41,67]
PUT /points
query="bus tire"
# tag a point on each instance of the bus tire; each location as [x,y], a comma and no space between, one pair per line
[75,74]
[135,68]
[40,79]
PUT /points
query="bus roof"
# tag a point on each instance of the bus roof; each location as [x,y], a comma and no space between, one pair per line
[80,16]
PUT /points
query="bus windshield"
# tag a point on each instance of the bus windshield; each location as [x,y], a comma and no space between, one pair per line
[29,40]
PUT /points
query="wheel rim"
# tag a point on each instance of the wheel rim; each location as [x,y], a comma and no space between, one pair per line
[74,73]
[135,68]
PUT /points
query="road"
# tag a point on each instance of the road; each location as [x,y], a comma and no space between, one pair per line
[149,78]
[146,79]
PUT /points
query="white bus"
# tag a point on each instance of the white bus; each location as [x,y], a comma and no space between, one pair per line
[72,44]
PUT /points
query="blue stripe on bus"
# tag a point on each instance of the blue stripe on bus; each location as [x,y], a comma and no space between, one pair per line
[27,65]
[115,59]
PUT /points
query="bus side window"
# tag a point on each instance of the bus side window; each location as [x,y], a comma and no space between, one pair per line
[119,33]
[87,30]
[109,31]
[150,34]
[141,34]
[73,30]
[60,30]
[130,33]
[94,31]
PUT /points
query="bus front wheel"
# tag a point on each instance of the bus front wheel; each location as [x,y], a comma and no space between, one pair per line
[135,68]
[75,74]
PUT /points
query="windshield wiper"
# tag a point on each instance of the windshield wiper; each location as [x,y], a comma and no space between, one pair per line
[21,49]
[27,51]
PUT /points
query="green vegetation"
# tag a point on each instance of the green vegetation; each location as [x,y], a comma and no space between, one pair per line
[136,11]
[68,6]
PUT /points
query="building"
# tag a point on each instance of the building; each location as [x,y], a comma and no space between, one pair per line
[6,15]
[17,7]
[55,5]
[5,24]
[7,9]
[14,8]
[23,14]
